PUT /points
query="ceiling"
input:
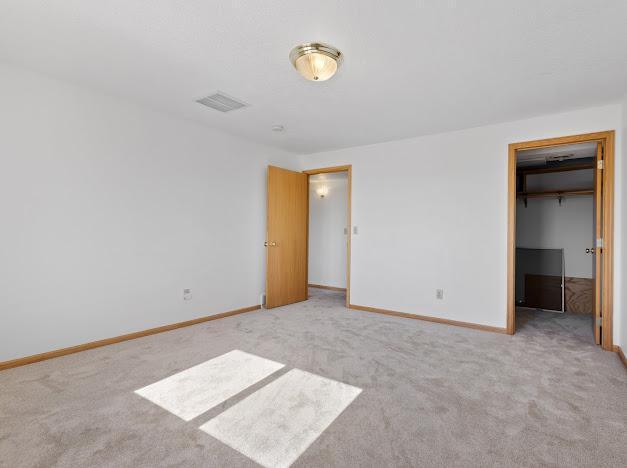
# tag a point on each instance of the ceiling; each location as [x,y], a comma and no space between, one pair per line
[328,177]
[540,156]
[411,67]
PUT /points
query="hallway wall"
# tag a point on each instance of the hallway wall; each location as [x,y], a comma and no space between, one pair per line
[328,217]
[545,224]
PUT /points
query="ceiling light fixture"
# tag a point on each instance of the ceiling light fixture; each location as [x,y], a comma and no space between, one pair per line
[316,61]
[322,191]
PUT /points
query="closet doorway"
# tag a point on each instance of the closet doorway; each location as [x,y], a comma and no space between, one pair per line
[560,229]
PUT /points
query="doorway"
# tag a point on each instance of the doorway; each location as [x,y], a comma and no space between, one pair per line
[328,234]
[560,227]
[288,248]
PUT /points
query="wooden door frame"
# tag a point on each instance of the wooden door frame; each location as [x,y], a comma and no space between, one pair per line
[325,170]
[607,293]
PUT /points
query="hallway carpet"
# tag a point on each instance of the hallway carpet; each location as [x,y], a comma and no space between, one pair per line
[431,394]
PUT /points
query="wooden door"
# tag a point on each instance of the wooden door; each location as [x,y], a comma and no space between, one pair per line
[598,248]
[286,241]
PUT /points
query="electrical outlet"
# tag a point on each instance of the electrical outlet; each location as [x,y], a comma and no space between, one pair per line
[355,230]
[187,294]
[439,293]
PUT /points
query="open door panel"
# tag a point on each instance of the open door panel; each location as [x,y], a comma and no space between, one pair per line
[286,241]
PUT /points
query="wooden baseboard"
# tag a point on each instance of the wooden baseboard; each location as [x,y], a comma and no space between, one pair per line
[331,288]
[427,318]
[621,355]
[117,339]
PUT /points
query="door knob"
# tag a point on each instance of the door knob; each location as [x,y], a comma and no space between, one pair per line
[590,251]
[272,244]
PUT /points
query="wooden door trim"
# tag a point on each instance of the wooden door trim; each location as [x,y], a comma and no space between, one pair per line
[598,232]
[118,339]
[621,355]
[429,318]
[607,138]
[325,170]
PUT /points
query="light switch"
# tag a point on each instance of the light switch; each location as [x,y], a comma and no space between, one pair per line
[355,230]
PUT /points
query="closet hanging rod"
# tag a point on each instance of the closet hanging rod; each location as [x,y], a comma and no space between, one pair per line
[555,193]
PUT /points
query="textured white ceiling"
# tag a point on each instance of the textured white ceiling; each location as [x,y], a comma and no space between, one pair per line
[411,67]
[329,176]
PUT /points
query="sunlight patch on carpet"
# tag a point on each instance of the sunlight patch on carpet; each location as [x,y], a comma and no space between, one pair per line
[196,390]
[277,423]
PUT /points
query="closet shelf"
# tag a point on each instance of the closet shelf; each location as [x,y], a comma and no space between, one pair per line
[559,194]
[556,193]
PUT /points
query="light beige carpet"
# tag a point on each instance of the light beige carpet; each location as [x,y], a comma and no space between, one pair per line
[431,394]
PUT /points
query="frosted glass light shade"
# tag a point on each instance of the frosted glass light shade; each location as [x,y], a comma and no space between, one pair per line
[316,61]
[316,67]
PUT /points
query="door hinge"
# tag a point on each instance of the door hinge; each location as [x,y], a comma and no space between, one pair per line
[600,164]
[599,322]
[599,242]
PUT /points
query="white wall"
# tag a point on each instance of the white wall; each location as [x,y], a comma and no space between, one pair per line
[571,180]
[432,213]
[109,210]
[328,217]
[545,224]
[622,175]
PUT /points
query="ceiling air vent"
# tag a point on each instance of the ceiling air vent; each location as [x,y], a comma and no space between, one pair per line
[221,102]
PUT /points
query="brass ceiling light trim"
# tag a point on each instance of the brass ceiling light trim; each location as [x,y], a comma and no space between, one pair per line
[316,61]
